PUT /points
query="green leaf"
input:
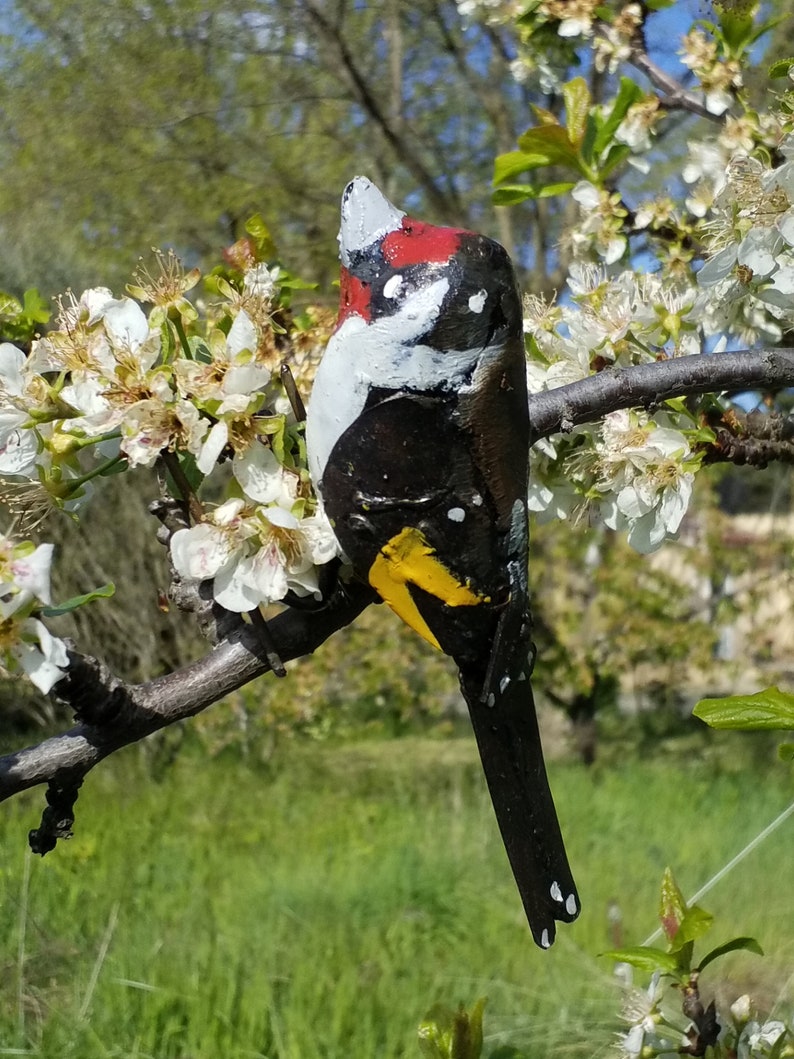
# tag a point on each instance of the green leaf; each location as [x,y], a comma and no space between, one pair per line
[10,307]
[616,155]
[737,28]
[786,751]
[780,68]
[467,1033]
[34,307]
[695,923]
[578,102]
[119,466]
[448,1034]
[255,227]
[513,193]
[628,93]
[511,164]
[672,906]
[645,958]
[768,709]
[286,281]
[550,143]
[748,944]
[105,592]
[683,958]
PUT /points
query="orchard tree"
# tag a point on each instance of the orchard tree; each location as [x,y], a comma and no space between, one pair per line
[676,301]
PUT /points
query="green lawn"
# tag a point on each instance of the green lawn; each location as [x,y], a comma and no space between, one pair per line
[320,908]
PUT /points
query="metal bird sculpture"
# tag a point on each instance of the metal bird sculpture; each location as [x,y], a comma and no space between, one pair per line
[418,442]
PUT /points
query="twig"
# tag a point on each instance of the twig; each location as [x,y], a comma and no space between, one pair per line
[271,653]
[115,714]
[295,399]
[139,710]
[674,96]
[646,385]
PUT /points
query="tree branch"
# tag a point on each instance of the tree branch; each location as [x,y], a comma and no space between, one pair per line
[115,714]
[673,94]
[646,385]
[447,205]
[752,438]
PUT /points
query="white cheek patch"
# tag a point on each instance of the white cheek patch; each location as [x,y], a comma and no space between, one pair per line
[382,354]
[477,301]
[392,286]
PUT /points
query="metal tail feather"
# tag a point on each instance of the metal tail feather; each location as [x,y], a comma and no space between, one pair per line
[512,758]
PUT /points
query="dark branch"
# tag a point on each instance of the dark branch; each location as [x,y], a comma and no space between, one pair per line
[755,439]
[115,714]
[646,385]
[672,94]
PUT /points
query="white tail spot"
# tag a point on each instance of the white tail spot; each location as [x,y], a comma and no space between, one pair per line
[571,906]
[544,940]
[556,892]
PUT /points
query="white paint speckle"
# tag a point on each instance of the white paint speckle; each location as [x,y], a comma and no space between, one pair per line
[571,906]
[544,940]
[477,301]
[477,500]
[456,514]
[391,286]
[504,683]
[491,699]
[556,892]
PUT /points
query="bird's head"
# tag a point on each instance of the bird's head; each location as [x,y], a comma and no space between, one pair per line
[446,287]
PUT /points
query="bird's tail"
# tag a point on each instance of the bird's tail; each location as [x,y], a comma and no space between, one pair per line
[512,759]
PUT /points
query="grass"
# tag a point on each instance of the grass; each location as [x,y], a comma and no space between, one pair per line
[318,909]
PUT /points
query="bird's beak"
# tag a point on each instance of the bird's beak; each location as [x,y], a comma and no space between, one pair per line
[367,215]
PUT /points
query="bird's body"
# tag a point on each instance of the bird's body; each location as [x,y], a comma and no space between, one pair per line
[418,439]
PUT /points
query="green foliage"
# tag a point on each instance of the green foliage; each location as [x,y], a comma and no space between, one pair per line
[317,907]
[446,1033]
[585,145]
[771,709]
[219,110]
[104,592]
[20,320]
[682,924]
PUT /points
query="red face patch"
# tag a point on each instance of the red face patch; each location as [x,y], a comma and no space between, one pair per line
[416,243]
[354,297]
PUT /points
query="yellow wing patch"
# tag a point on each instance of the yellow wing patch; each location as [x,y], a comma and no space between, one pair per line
[407,559]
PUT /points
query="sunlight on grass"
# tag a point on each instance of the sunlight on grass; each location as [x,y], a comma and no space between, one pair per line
[321,908]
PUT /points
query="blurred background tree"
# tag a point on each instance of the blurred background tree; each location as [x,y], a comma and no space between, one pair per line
[170,122]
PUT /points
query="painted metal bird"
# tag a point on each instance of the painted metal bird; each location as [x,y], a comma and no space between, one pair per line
[418,442]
